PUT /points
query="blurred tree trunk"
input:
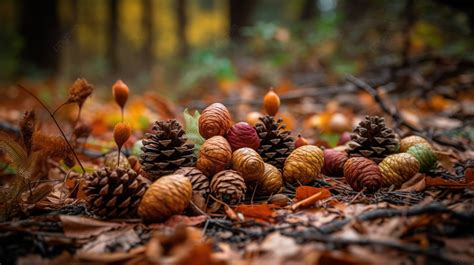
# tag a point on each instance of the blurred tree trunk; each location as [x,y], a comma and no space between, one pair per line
[147,23]
[112,38]
[182,21]
[40,30]
[239,15]
[308,10]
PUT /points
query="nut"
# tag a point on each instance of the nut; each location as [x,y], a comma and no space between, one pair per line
[120,92]
[122,132]
[303,165]
[300,141]
[410,141]
[214,156]
[243,135]
[167,196]
[280,200]
[271,102]
[248,163]
[425,156]
[362,173]
[334,163]
[398,168]
[215,120]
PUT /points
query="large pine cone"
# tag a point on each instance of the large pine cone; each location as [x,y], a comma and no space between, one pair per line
[198,180]
[214,156]
[248,163]
[228,186]
[167,196]
[334,163]
[361,172]
[165,150]
[371,139]
[398,168]
[276,144]
[303,165]
[215,120]
[114,193]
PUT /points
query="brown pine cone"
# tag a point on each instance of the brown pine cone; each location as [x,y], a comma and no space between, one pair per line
[114,193]
[334,163]
[361,172]
[215,155]
[243,135]
[398,168]
[167,196]
[198,180]
[303,165]
[228,186]
[215,120]
[271,181]
[248,163]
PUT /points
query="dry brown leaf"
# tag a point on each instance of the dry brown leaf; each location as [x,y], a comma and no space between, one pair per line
[84,227]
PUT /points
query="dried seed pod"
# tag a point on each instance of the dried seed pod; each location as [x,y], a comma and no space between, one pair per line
[248,163]
[425,156]
[167,196]
[243,135]
[334,163]
[303,165]
[228,186]
[410,141]
[300,141]
[120,91]
[199,181]
[398,168]
[271,102]
[362,173]
[79,91]
[271,181]
[214,156]
[122,132]
[280,200]
[215,120]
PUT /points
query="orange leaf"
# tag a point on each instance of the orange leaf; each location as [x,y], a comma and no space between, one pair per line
[303,192]
[258,211]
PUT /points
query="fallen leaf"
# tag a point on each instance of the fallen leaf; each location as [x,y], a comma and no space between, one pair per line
[415,184]
[452,184]
[83,227]
[258,211]
[303,192]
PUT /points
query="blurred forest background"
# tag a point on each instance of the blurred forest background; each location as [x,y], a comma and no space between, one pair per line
[179,48]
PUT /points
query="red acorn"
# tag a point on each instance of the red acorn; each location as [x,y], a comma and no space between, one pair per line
[241,135]
[334,163]
[300,141]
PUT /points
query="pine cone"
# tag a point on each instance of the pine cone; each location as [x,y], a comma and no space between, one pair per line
[214,156]
[165,150]
[361,172]
[371,139]
[271,182]
[114,193]
[228,186]
[398,168]
[425,156]
[215,120]
[275,143]
[248,163]
[112,158]
[243,135]
[410,141]
[303,165]
[198,180]
[167,196]
[334,163]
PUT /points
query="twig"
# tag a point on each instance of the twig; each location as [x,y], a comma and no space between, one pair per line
[306,202]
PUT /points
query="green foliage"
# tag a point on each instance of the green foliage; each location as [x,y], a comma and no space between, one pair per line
[330,138]
[192,129]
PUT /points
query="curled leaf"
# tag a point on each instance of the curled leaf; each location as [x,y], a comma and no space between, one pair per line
[192,129]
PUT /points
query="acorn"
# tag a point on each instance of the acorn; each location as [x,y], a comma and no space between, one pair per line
[215,120]
[410,141]
[167,196]
[425,156]
[271,181]
[334,163]
[241,135]
[303,165]
[271,102]
[280,200]
[300,141]
[398,168]
[249,163]
[362,173]
[215,155]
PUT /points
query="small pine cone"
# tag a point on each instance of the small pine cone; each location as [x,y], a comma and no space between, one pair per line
[398,168]
[198,180]
[303,165]
[112,158]
[280,200]
[361,172]
[167,196]
[425,156]
[248,163]
[271,182]
[114,193]
[228,186]
[410,141]
[215,155]
[215,120]
[243,135]
[334,163]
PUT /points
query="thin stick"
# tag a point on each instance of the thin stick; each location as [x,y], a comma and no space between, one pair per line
[306,202]
[121,111]
[57,125]
[118,160]
[60,106]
